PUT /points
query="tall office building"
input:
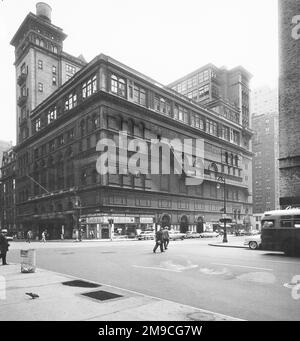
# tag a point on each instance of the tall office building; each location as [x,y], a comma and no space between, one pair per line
[3,147]
[289,102]
[265,146]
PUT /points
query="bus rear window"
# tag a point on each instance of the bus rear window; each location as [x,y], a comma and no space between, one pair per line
[286,223]
[267,224]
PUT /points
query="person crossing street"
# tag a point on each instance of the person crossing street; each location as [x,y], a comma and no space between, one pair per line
[166,237]
[159,240]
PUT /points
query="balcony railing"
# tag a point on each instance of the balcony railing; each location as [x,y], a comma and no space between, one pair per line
[22,78]
[21,100]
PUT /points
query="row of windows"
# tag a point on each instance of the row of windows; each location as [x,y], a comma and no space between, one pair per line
[49,46]
[88,88]
[162,105]
[194,81]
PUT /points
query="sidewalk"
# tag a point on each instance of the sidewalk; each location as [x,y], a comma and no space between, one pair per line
[58,302]
[231,243]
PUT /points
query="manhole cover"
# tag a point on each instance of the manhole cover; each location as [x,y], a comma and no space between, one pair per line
[101,295]
[81,284]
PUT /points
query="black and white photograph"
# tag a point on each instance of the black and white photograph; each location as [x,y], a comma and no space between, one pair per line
[150,163]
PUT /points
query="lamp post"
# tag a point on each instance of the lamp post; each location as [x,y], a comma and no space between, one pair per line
[223,180]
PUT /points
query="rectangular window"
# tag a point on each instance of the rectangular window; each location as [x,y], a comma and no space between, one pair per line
[54,70]
[71,134]
[162,105]
[204,91]
[139,95]
[37,124]
[52,145]
[89,87]
[40,64]
[40,87]
[52,115]
[54,80]
[70,69]
[211,127]
[61,140]
[71,101]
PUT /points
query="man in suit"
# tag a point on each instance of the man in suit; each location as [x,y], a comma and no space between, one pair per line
[3,246]
[159,240]
[166,237]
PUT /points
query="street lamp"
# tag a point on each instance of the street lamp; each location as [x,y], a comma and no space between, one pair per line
[223,180]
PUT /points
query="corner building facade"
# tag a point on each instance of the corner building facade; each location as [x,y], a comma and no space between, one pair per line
[58,185]
[289,102]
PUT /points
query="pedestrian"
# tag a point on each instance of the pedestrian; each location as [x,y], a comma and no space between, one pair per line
[28,236]
[44,234]
[80,235]
[166,237]
[3,246]
[159,240]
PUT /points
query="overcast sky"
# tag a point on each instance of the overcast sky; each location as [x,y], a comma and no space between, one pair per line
[164,39]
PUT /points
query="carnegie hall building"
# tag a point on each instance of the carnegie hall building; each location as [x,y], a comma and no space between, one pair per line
[66,105]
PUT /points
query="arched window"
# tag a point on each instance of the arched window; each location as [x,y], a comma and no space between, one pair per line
[118,85]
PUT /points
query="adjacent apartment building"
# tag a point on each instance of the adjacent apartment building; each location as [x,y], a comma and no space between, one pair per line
[61,120]
[264,104]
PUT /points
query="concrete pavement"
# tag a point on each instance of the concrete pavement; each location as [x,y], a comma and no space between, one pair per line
[59,302]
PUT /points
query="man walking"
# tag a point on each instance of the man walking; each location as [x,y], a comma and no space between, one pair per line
[3,246]
[44,236]
[166,237]
[159,240]
[29,236]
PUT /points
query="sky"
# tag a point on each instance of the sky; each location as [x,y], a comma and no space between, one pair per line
[163,39]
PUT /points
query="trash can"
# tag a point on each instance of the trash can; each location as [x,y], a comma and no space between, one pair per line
[28,260]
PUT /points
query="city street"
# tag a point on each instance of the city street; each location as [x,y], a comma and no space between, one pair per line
[238,282]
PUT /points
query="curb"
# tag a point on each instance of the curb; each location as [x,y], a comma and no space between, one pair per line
[232,246]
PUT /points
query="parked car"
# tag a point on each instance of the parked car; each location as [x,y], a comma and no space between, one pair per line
[240,233]
[9,238]
[145,235]
[209,234]
[175,235]
[192,234]
[254,242]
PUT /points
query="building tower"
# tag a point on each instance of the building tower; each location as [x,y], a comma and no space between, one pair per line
[289,102]
[41,65]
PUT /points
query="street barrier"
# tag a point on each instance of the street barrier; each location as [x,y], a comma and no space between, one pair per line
[28,261]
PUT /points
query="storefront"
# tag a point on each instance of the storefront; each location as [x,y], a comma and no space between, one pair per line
[108,227]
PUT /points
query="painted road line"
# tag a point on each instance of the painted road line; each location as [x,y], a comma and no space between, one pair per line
[155,268]
[148,296]
[243,266]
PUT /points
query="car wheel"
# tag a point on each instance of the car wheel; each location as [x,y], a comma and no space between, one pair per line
[253,245]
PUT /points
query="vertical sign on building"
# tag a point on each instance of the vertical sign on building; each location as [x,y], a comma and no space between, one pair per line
[289,102]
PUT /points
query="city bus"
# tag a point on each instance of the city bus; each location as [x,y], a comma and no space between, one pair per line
[281,231]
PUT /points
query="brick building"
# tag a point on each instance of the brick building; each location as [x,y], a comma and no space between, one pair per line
[57,183]
[8,191]
[289,102]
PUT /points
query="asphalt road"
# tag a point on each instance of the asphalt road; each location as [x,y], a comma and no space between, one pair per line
[241,283]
